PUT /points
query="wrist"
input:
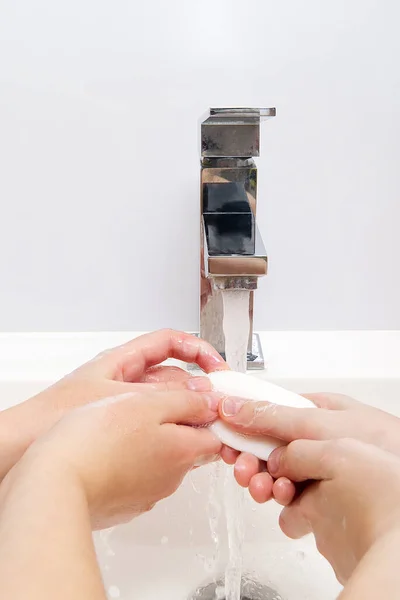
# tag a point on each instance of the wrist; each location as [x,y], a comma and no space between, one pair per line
[45,532]
[41,470]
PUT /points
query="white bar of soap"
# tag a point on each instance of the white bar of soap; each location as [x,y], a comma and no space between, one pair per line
[232,383]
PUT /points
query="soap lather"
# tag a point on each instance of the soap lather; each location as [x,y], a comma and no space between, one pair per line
[253,389]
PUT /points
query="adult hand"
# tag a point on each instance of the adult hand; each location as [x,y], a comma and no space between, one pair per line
[131,367]
[338,417]
[352,504]
[129,451]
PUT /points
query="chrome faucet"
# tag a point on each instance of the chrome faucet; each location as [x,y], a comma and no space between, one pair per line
[233,255]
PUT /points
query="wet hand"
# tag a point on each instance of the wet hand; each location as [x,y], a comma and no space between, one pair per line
[129,451]
[132,367]
[352,504]
[338,416]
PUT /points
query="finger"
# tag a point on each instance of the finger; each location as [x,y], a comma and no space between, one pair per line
[331,401]
[183,407]
[303,460]
[198,384]
[284,491]
[229,455]
[283,422]
[165,373]
[165,380]
[194,446]
[260,487]
[64,401]
[296,519]
[293,523]
[130,361]
[245,468]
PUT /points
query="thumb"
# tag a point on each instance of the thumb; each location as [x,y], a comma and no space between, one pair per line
[303,460]
[266,418]
[200,445]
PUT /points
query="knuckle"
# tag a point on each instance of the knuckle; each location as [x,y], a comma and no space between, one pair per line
[258,415]
[314,423]
[293,451]
[167,332]
[194,401]
[343,446]
[337,452]
[330,455]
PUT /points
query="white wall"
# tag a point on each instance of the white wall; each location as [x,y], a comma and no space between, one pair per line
[99,102]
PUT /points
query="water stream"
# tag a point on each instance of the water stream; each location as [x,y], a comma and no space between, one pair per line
[236,328]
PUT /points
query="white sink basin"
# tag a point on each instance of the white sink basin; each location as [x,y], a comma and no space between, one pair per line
[167,553]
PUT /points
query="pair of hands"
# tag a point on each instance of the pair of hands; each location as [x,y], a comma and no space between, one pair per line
[349,451]
[131,440]
[134,419]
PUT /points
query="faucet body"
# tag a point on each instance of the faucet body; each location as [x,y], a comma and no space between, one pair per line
[232,253]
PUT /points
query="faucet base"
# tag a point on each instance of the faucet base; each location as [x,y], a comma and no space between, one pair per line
[255,357]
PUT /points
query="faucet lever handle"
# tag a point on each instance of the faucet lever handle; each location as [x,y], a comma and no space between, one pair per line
[243,113]
[233,132]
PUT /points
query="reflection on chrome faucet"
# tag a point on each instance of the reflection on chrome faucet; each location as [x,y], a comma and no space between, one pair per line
[233,255]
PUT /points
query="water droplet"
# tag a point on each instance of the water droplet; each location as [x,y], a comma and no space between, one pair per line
[164,540]
[113,591]
[300,555]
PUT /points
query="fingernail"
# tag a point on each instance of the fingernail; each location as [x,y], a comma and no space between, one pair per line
[274,461]
[198,384]
[213,400]
[232,405]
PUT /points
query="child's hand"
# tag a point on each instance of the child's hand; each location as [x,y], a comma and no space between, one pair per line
[128,368]
[129,451]
[352,504]
[338,417]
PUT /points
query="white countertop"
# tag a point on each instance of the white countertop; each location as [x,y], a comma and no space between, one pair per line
[300,354]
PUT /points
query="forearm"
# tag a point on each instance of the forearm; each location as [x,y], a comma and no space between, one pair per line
[378,573]
[14,438]
[46,547]
[22,424]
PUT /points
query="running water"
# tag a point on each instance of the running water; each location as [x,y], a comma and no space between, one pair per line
[214,509]
[236,326]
